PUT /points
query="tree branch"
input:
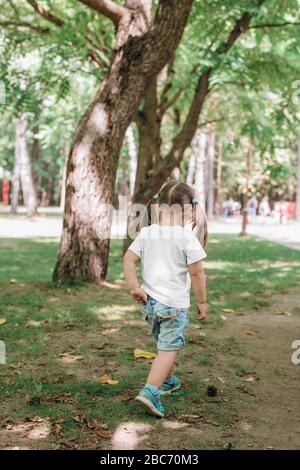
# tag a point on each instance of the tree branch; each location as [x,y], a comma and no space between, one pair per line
[183,139]
[107,8]
[45,13]
[275,25]
[25,24]
[60,23]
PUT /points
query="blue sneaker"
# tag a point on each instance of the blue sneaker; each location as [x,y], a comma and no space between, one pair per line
[170,385]
[149,398]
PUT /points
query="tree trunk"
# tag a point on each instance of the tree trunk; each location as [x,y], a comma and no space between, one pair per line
[199,148]
[16,176]
[148,124]
[27,183]
[132,151]
[298,185]
[175,173]
[141,53]
[243,232]
[210,172]
[35,151]
[63,182]
[218,200]
[191,168]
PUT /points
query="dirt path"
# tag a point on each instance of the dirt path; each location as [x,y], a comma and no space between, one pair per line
[269,417]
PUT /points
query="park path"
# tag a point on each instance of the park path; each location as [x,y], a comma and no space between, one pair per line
[269,413]
[49,224]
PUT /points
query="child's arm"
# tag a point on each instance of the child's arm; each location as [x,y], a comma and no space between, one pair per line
[199,285]
[129,264]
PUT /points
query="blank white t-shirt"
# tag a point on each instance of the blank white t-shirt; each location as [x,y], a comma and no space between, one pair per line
[165,253]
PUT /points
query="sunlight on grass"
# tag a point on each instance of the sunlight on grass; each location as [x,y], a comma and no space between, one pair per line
[128,436]
[37,428]
[90,330]
[174,424]
[113,312]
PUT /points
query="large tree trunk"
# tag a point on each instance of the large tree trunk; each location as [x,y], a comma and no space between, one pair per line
[63,180]
[210,172]
[148,124]
[298,185]
[27,182]
[141,53]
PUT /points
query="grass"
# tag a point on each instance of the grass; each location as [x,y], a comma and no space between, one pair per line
[100,327]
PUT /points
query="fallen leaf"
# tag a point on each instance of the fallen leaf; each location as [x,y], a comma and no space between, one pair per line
[2,321]
[228,310]
[250,378]
[69,358]
[221,380]
[112,382]
[106,379]
[138,353]
[13,281]
[223,317]
[285,312]
[34,323]
[250,333]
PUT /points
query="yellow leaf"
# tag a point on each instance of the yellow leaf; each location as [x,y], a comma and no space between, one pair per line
[228,310]
[285,312]
[106,379]
[2,321]
[112,382]
[250,333]
[145,354]
[33,323]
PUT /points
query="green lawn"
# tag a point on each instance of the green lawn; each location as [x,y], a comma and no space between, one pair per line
[99,327]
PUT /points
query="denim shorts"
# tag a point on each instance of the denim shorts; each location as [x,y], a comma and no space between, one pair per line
[167,324]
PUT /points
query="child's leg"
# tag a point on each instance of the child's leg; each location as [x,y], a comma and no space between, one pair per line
[161,368]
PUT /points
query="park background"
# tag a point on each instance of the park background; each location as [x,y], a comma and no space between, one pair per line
[132,94]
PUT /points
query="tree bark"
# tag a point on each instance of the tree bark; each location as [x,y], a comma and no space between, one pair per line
[192,167]
[148,124]
[26,177]
[142,51]
[63,187]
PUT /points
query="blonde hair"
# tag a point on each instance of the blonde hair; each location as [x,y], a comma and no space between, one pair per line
[171,193]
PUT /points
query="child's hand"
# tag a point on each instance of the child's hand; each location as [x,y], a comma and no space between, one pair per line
[139,294]
[202,311]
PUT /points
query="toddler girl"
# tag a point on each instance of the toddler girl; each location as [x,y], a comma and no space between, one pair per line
[170,255]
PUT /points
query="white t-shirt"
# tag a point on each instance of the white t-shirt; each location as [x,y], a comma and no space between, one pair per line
[166,252]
